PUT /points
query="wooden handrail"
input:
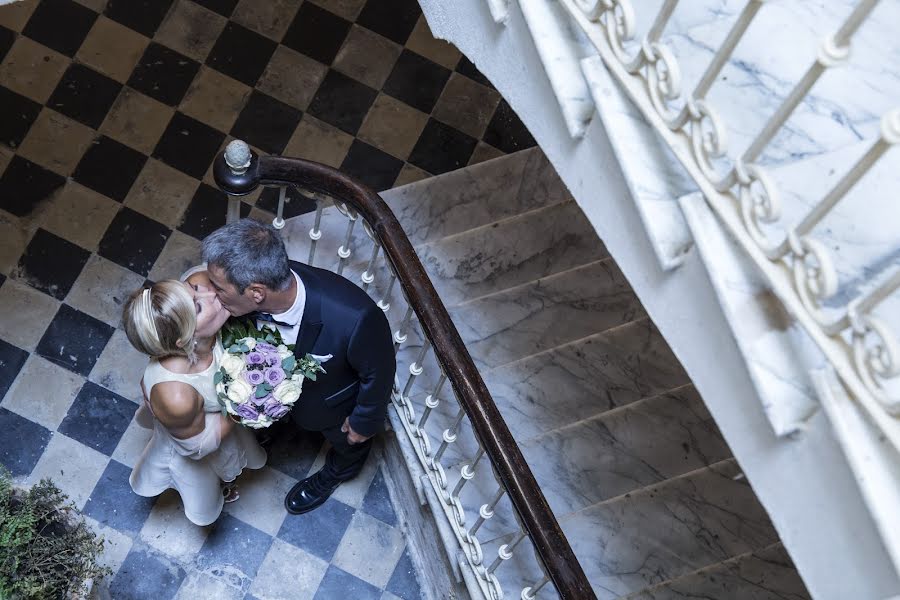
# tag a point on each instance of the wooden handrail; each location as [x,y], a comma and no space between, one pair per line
[516,477]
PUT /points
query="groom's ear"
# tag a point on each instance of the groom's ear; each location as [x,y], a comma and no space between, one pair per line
[257,292]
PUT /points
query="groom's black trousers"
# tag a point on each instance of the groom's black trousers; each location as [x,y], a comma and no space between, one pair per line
[344,460]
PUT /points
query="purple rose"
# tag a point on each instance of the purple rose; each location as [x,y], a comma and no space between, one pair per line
[273,359]
[276,409]
[275,375]
[245,411]
[260,401]
[255,358]
[254,377]
[265,347]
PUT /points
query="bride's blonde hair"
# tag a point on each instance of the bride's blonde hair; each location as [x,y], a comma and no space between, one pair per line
[161,320]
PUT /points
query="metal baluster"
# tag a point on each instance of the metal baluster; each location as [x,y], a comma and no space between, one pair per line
[384,304]
[238,158]
[505,552]
[344,251]
[278,222]
[449,435]
[367,276]
[315,234]
[530,593]
[467,473]
[431,402]
[416,369]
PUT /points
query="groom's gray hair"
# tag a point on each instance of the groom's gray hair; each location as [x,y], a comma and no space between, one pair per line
[249,252]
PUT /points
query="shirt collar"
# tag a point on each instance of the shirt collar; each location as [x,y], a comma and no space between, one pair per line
[294,314]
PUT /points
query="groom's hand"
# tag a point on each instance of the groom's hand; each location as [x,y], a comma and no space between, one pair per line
[352,436]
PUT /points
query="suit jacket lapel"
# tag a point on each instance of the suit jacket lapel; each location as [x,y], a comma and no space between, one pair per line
[311,322]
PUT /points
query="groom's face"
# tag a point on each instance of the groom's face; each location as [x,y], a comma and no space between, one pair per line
[234,302]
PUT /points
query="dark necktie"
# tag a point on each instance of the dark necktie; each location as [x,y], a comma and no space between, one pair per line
[261,316]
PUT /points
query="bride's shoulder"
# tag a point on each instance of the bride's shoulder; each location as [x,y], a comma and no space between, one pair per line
[176,364]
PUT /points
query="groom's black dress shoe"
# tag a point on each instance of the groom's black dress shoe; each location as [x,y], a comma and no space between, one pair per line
[310,493]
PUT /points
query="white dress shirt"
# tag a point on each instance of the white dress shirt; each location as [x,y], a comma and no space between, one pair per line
[291,316]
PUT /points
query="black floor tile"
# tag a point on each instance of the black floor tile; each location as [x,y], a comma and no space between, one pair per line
[134,241]
[85,95]
[403,582]
[293,451]
[377,501]
[235,543]
[146,576]
[442,148]
[11,361]
[223,7]
[188,145]
[98,418]
[375,168]
[19,114]
[74,340]
[30,441]
[266,123]
[60,24]
[52,264]
[24,185]
[241,53]
[112,503]
[506,132]
[394,19]
[295,203]
[465,67]
[144,16]
[416,81]
[342,102]
[7,38]
[206,212]
[163,74]
[316,33]
[109,168]
[338,583]
[319,532]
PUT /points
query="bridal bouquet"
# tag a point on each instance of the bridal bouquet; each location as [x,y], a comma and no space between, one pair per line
[259,378]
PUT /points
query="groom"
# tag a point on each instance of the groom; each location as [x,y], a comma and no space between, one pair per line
[322,313]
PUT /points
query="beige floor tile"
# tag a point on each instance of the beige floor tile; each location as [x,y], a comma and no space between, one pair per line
[215,99]
[367,537]
[15,233]
[190,29]
[466,105]
[367,57]
[72,466]
[96,5]
[318,141]
[410,174]
[32,70]
[271,18]
[43,392]
[6,154]
[132,444]
[180,253]
[169,531]
[112,49]
[421,41]
[26,314]
[392,126]
[137,120]
[484,152]
[102,289]
[161,193]
[306,572]
[116,545]
[349,9]
[292,77]
[56,142]
[262,499]
[120,367]
[200,585]
[14,16]
[79,214]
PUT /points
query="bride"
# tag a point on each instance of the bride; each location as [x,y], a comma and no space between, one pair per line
[194,449]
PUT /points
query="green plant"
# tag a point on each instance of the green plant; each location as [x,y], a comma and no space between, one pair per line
[47,551]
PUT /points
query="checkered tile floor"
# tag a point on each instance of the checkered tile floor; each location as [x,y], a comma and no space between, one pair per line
[112,112]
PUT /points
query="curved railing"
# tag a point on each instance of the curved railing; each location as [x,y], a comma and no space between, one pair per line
[238,173]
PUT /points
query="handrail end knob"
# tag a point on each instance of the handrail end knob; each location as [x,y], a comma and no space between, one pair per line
[236,171]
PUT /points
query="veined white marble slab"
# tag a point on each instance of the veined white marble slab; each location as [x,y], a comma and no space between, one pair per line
[654,176]
[776,349]
[499,10]
[561,45]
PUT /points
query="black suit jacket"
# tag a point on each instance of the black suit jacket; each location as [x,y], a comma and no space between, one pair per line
[340,319]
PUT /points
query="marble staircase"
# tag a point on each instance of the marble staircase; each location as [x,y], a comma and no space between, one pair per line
[632,464]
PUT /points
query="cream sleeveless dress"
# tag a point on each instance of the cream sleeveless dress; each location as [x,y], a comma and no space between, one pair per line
[194,467]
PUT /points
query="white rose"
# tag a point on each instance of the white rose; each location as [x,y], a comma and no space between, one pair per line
[233,365]
[287,392]
[298,379]
[239,391]
[283,352]
[249,342]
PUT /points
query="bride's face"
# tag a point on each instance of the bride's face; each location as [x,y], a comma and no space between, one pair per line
[210,314]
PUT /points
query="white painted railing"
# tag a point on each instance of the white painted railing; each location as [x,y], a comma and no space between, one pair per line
[801,263]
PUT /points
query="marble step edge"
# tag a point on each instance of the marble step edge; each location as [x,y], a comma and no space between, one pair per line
[774,548]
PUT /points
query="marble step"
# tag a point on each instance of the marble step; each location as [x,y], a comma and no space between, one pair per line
[766,574]
[665,531]
[623,450]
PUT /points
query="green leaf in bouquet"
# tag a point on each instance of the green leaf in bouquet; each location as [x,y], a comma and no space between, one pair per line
[218,377]
[289,363]
[311,375]
[261,391]
[245,348]
[235,349]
